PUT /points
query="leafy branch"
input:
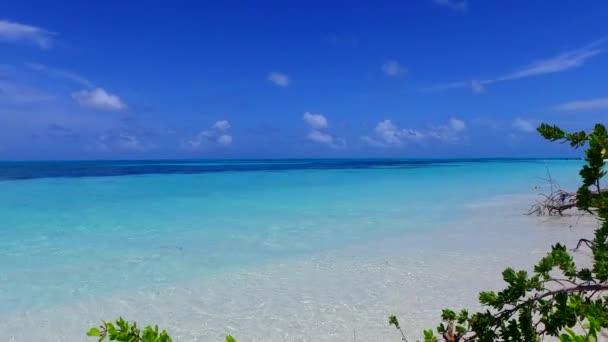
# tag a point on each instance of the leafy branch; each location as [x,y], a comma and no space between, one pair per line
[123,331]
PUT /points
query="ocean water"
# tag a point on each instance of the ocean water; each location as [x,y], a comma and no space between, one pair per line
[74,232]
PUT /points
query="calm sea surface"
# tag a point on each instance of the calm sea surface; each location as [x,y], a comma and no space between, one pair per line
[75,230]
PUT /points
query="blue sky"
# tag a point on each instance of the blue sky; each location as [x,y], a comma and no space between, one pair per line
[255,79]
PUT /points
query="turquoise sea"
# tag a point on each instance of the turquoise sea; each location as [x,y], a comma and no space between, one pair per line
[75,231]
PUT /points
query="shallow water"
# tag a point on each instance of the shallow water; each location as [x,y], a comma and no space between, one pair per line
[280,250]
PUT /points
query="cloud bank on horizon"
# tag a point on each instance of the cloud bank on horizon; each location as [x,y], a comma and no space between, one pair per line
[74,91]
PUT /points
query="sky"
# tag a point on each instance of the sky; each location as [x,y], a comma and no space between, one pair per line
[298,79]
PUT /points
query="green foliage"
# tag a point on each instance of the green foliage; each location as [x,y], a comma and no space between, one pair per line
[123,331]
[392,320]
[429,336]
[559,298]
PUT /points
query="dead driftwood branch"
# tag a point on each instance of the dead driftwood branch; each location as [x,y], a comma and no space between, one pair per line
[558,200]
[554,203]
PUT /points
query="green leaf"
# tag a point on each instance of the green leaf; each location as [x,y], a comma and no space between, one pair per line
[94,332]
[392,320]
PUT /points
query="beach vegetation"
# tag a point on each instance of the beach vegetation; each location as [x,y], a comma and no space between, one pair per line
[123,331]
[558,298]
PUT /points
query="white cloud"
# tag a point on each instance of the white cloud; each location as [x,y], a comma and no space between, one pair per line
[391,134]
[224,139]
[279,78]
[128,141]
[523,125]
[386,134]
[99,98]
[216,134]
[456,5]
[318,123]
[457,125]
[584,105]
[393,68]
[320,137]
[452,132]
[315,121]
[15,32]
[221,125]
[59,74]
[562,62]
[477,87]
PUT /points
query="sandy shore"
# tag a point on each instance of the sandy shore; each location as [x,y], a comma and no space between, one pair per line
[345,295]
